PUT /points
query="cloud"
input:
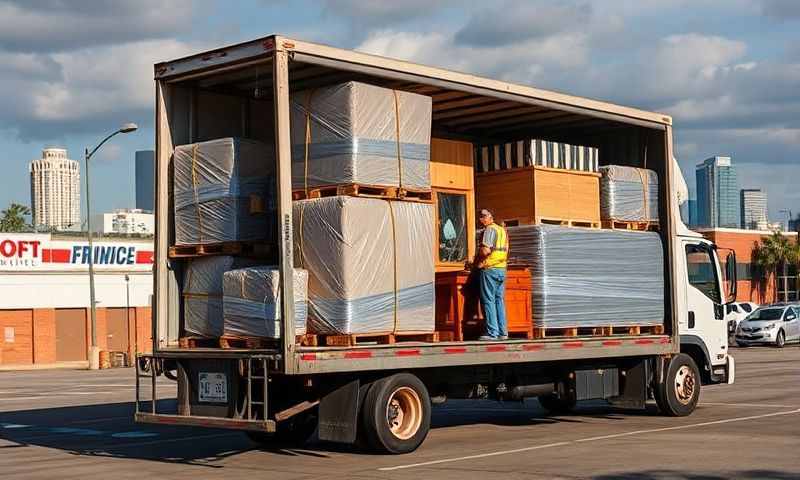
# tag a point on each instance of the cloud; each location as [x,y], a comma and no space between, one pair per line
[56,25]
[381,12]
[514,21]
[81,90]
[781,9]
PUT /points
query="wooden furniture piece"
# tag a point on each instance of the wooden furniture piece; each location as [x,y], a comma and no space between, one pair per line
[458,312]
[533,195]
[452,173]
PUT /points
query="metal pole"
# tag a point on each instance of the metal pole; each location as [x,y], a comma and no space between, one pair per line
[94,351]
[128,317]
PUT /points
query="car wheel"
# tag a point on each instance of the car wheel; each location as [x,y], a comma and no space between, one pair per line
[780,339]
[396,415]
[677,395]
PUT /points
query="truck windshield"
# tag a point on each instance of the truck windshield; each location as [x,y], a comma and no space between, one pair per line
[766,314]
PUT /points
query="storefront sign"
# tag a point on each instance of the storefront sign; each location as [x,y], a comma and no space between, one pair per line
[33,252]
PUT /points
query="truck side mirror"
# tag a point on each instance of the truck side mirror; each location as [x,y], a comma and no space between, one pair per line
[730,274]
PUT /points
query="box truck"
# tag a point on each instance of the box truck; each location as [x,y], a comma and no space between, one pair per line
[382,394]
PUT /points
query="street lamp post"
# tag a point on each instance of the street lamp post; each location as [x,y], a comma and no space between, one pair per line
[94,350]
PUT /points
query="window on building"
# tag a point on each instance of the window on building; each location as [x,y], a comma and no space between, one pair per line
[702,271]
[452,227]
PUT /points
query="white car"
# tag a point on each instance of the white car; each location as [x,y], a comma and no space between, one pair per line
[734,314]
[775,324]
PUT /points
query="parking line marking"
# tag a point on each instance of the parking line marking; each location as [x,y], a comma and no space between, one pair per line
[764,405]
[589,439]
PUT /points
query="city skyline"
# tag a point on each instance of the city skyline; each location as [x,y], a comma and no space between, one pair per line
[717,193]
[55,191]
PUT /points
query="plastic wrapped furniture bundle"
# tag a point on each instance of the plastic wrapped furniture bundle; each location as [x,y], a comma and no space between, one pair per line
[370,264]
[590,277]
[359,133]
[628,194]
[223,191]
[252,302]
[202,294]
[538,153]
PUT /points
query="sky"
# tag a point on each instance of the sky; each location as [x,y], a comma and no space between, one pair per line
[727,71]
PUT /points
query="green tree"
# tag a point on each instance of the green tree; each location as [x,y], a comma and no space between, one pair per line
[773,254]
[13,218]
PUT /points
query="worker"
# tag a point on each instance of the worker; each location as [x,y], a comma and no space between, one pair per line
[491,262]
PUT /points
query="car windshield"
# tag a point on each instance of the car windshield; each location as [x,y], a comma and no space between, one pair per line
[766,314]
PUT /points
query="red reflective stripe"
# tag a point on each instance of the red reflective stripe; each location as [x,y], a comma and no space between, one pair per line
[496,348]
[532,347]
[362,354]
[664,340]
[571,344]
[612,343]
[308,356]
[455,350]
[407,353]
[644,341]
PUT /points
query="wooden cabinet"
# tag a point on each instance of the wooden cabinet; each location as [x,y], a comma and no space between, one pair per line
[531,194]
[458,312]
[452,174]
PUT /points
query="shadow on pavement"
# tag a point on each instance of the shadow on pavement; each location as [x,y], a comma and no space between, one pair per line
[683,475]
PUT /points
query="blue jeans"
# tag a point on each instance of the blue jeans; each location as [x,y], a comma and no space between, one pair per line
[493,289]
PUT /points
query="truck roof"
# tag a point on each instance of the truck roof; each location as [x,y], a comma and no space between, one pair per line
[327,61]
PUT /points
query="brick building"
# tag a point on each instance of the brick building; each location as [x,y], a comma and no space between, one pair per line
[44,314]
[751,285]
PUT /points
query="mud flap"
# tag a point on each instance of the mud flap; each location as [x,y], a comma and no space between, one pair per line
[338,414]
[633,386]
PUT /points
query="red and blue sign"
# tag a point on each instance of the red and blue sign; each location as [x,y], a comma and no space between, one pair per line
[40,252]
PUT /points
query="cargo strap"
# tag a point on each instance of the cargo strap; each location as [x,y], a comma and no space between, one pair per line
[394,264]
[397,139]
[196,196]
[645,194]
[309,97]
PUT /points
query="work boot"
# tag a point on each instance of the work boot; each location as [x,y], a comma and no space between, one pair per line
[487,338]
[503,337]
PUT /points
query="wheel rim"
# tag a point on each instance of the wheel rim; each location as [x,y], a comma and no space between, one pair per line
[404,413]
[685,384]
[779,341]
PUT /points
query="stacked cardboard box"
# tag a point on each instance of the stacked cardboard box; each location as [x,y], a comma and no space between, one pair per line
[369,262]
[358,133]
[223,191]
[590,277]
[252,302]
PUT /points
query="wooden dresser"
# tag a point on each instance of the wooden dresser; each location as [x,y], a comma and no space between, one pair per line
[458,312]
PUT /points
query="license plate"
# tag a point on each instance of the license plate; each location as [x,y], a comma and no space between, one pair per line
[213,388]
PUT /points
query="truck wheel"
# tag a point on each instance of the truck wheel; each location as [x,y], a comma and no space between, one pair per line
[678,394]
[396,414]
[294,431]
[555,404]
[780,339]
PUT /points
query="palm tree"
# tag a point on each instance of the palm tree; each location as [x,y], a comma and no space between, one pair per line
[774,253]
[13,218]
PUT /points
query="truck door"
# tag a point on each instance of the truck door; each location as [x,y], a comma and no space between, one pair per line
[705,314]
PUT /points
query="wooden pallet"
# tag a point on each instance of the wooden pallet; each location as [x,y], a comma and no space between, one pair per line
[255,249]
[568,222]
[379,338]
[549,332]
[367,191]
[249,343]
[636,226]
[308,340]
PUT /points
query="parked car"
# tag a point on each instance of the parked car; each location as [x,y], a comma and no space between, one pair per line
[734,314]
[775,324]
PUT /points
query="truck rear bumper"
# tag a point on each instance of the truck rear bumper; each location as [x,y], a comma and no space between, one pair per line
[208,422]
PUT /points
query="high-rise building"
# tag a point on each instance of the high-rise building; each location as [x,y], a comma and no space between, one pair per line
[55,190]
[145,180]
[754,209]
[717,194]
[692,211]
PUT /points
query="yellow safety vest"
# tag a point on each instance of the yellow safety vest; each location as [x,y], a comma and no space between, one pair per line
[498,257]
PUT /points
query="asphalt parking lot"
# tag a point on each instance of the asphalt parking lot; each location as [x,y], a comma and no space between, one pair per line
[78,424]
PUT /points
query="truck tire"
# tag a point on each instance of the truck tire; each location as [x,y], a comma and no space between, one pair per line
[557,405]
[294,431]
[396,414]
[678,394]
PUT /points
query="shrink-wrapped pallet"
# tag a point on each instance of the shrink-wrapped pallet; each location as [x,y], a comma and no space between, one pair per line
[590,277]
[252,302]
[535,153]
[628,194]
[223,191]
[358,133]
[202,293]
[369,262]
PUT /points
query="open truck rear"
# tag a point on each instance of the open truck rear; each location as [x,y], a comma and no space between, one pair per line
[383,393]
